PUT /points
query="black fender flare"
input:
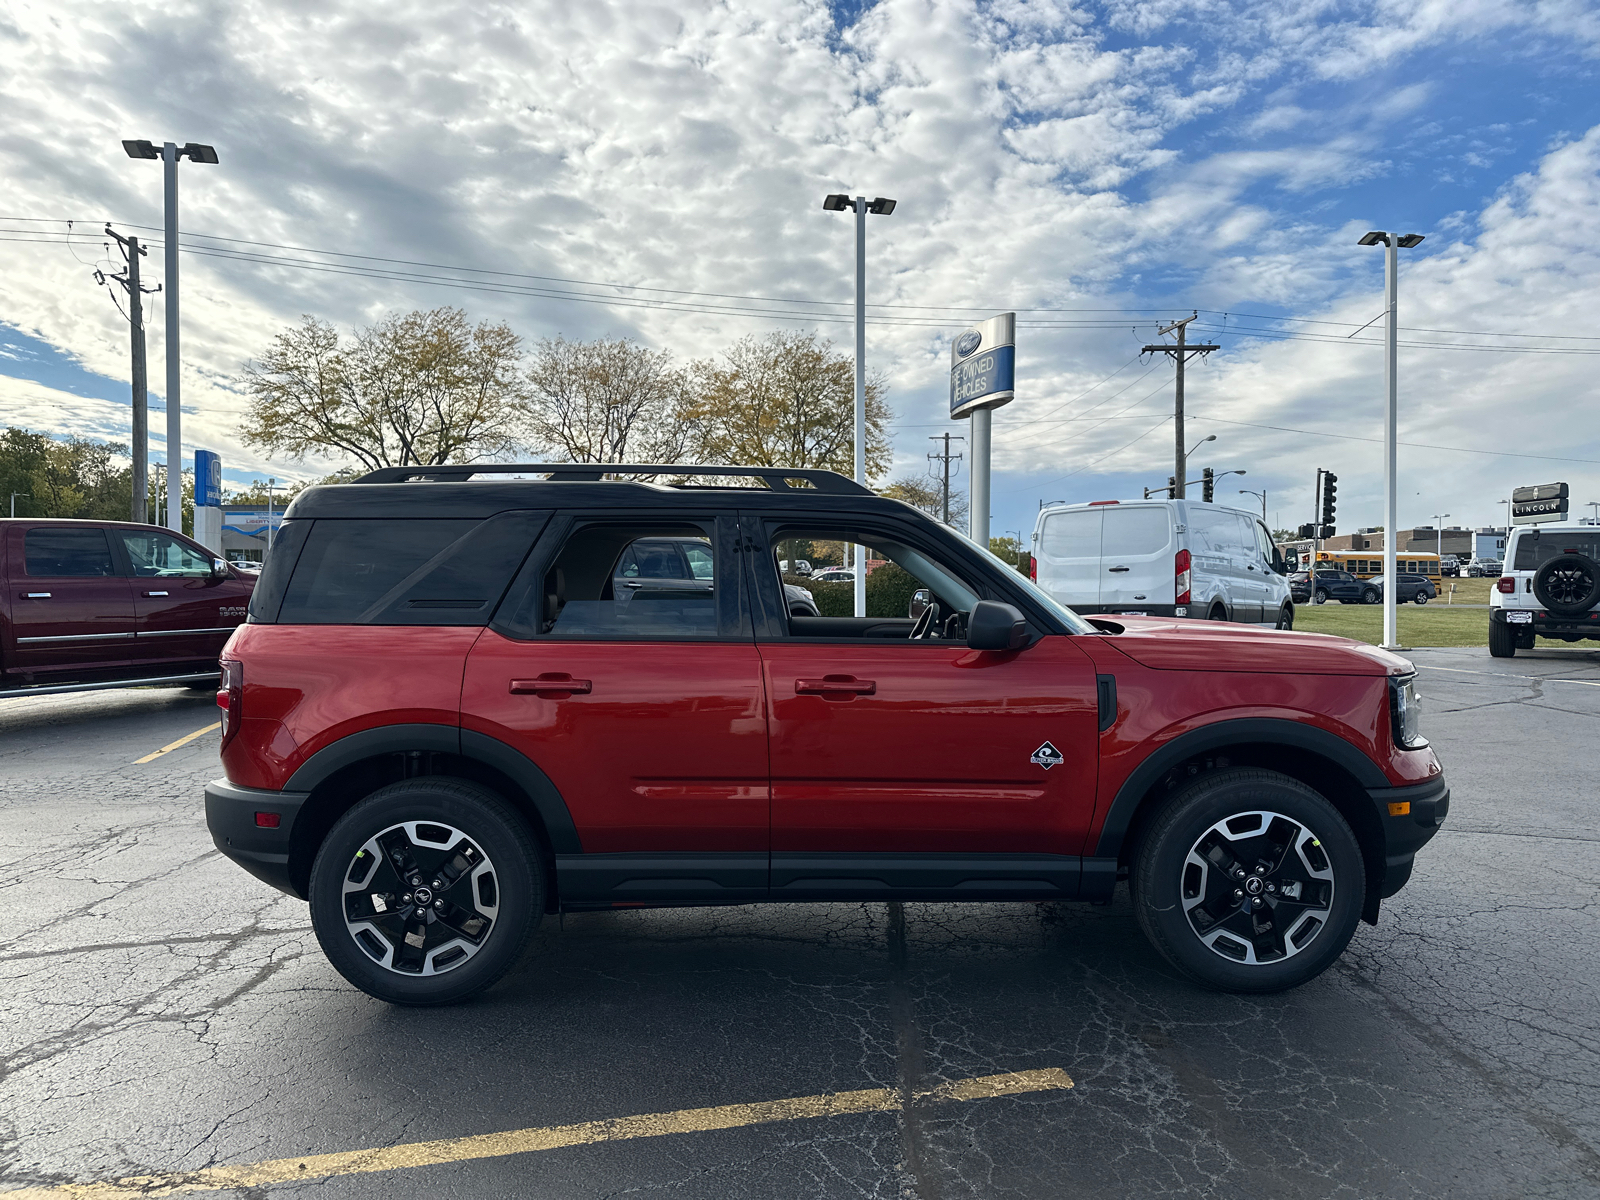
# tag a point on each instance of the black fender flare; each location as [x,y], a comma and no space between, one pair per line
[447,739]
[1274,731]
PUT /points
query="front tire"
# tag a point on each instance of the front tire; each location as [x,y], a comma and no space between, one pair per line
[1248,881]
[427,891]
[1286,617]
[1502,640]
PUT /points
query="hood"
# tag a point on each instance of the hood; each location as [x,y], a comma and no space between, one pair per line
[1170,644]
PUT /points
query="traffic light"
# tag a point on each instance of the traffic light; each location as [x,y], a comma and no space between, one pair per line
[1330,494]
[1172,487]
[1208,485]
[1308,531]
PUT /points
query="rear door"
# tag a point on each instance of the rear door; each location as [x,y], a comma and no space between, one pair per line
[1068,562]
[644,707]
[183,613]
[1136,556]
[71,608]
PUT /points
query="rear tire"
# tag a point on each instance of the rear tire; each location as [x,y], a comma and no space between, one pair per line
[473,858]
[1370,596]
[1321,597]
[1421,597]
[1217,613]
[1502,640]
[1184,871]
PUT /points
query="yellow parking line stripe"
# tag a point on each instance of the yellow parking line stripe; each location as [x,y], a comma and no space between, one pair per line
[553,1137]
[183,741]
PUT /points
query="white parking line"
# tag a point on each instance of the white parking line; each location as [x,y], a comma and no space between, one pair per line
[1507,675]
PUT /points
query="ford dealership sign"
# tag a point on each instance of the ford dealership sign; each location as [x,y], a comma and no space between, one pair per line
[983,365]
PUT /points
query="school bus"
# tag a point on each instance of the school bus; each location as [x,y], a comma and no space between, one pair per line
[1364,564]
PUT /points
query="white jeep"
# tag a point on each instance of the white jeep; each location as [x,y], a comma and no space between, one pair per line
[1549,587]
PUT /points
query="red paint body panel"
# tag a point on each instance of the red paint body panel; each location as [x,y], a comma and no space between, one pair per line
[1209,647]
[666,751]
[936,758]
[307,686]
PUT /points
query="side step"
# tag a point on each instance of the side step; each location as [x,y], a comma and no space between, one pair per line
[105,685]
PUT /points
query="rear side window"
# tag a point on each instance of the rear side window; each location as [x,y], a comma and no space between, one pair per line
[1071,535]
[67,552]
[1534,549]
[1132,531]
[406,572]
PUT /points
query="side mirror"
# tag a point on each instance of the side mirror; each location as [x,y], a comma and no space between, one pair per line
[1278,565]
[219,568]
[920,599]
[996,626]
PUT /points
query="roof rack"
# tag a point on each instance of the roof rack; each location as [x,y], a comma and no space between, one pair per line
[776,478]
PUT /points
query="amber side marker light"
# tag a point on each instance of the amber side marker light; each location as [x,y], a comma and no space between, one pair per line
[268,820]
[1398,808]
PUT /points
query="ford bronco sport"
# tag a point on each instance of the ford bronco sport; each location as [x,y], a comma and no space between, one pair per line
[445,719]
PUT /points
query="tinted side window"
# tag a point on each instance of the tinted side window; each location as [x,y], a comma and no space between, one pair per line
[1213,532]
[406,571]
[1533,552]
[67,552]
[626,580]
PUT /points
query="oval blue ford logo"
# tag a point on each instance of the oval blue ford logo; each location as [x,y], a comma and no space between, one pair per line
[968,342]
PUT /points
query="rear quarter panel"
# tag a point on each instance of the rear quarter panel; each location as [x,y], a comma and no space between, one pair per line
[307,686]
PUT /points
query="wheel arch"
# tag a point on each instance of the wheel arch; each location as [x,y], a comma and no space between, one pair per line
[339,775]
[1321,760]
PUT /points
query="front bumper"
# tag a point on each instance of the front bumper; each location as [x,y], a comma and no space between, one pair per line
[264,852]
[1411,816]
[1546,624]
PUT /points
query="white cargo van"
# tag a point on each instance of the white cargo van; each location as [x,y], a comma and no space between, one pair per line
[1181,558]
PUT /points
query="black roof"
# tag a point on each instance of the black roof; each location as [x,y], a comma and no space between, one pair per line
[445,491]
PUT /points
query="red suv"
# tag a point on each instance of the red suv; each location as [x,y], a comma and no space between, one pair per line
[450,713]
[110,603]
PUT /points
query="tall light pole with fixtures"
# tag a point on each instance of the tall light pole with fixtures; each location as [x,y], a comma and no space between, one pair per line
[1391,500]
[1438,526]
[838,202]
[1263,494]
[169,154]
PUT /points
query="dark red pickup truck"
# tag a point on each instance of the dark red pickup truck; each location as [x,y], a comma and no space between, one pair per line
[109,603]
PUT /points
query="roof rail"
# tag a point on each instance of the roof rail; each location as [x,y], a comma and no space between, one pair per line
[776,478]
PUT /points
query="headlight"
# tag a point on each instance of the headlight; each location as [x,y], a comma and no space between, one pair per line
[806,592]
[1404,709]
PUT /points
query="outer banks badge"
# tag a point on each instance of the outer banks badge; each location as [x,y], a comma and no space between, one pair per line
[1047,756]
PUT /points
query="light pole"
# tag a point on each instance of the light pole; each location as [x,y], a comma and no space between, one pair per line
[1391,501]
[14,496]
[1018,532]
[1438,531]
[1210,437]
[1594,509]
[169,154]
[838,202]
[271,487]
[1263,494]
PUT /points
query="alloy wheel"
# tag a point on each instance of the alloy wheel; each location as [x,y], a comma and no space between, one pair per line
[420,898]
[1257,887]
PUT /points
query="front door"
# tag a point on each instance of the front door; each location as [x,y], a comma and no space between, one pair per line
[642,706]
[915,766]
[71,609]
[184,613]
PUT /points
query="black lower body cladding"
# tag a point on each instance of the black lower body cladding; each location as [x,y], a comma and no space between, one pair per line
[1411,816]
[242,825]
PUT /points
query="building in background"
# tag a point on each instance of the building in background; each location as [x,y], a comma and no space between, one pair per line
[1489,543]
[245,531]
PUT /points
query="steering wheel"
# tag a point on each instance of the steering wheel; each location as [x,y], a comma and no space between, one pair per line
[924,624]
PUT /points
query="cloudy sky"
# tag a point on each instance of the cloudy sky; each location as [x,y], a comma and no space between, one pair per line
[622,167]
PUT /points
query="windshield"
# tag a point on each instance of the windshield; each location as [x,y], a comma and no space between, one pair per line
[1073,622]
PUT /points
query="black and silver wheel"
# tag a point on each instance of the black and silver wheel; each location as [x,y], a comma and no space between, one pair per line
[1420,598]
[1249,881]
[1321,597]
[426,892]
[1370,596]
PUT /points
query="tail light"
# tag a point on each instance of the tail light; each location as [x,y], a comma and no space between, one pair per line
[1180,571]
[230,697]
[1033,569]
[1506,584]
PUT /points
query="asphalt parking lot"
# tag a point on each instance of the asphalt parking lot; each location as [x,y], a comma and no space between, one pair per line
[168,1021]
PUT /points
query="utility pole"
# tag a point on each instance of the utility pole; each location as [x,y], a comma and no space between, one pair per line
[132,251]
[1181,353]
[946,458]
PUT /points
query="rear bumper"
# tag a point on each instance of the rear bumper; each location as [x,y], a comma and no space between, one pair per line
[231,816]
[1136,608]
[1549,624]
[1411,816]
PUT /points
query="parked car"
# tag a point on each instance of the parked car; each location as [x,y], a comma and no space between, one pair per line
[1181,558]
[1550,588]
[835,575]
[1449,565]
[92,604]
[799,567]
[1344,587]
[1412,589]
[480,730]
[1484,568]
[1299,586]
[653,567]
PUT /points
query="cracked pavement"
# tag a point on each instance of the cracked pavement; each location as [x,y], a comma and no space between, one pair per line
[160,1010]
